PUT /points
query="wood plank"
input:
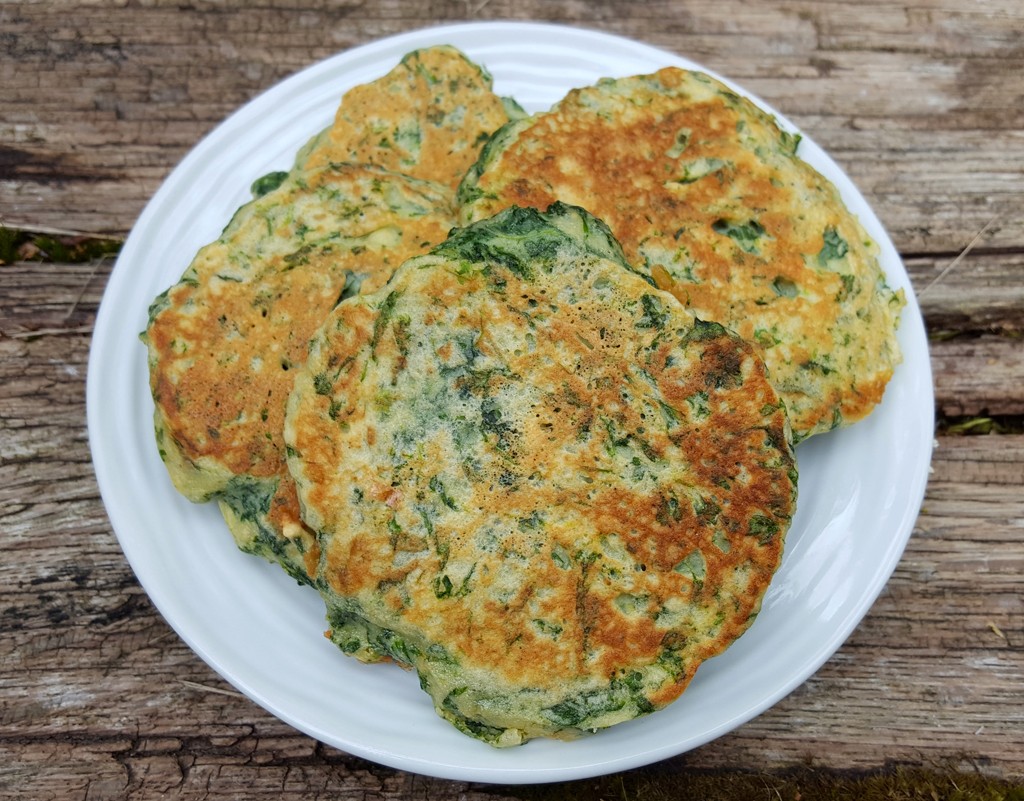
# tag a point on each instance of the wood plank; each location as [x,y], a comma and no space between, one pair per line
[919,104]
[930,676]
[102,104]
[982,292]
[118,704]
[980,374]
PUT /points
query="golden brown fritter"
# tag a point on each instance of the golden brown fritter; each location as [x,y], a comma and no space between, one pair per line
[244,308]
[537,479]
[225,341]
[427,118]
[706,194]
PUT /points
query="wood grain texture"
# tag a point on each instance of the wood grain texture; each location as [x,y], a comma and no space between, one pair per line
[981,293]
[102,694]
[922,105]
[99,691]
[979,370]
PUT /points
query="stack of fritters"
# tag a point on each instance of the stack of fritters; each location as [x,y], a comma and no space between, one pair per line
[225,341]
[550,472]
[706,194]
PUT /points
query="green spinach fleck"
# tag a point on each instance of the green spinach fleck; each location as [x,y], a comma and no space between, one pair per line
[267,183]
[745,234]
[693,567]
[654,314]
[438,486]
[762,527]
[248,497]
[833,247]
[587,707]
[322,384]
[703,331]
[384,313]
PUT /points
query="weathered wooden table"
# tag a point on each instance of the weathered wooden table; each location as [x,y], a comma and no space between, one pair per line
[922,105]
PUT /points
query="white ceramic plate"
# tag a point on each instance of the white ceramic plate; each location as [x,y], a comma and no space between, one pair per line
[860,488]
